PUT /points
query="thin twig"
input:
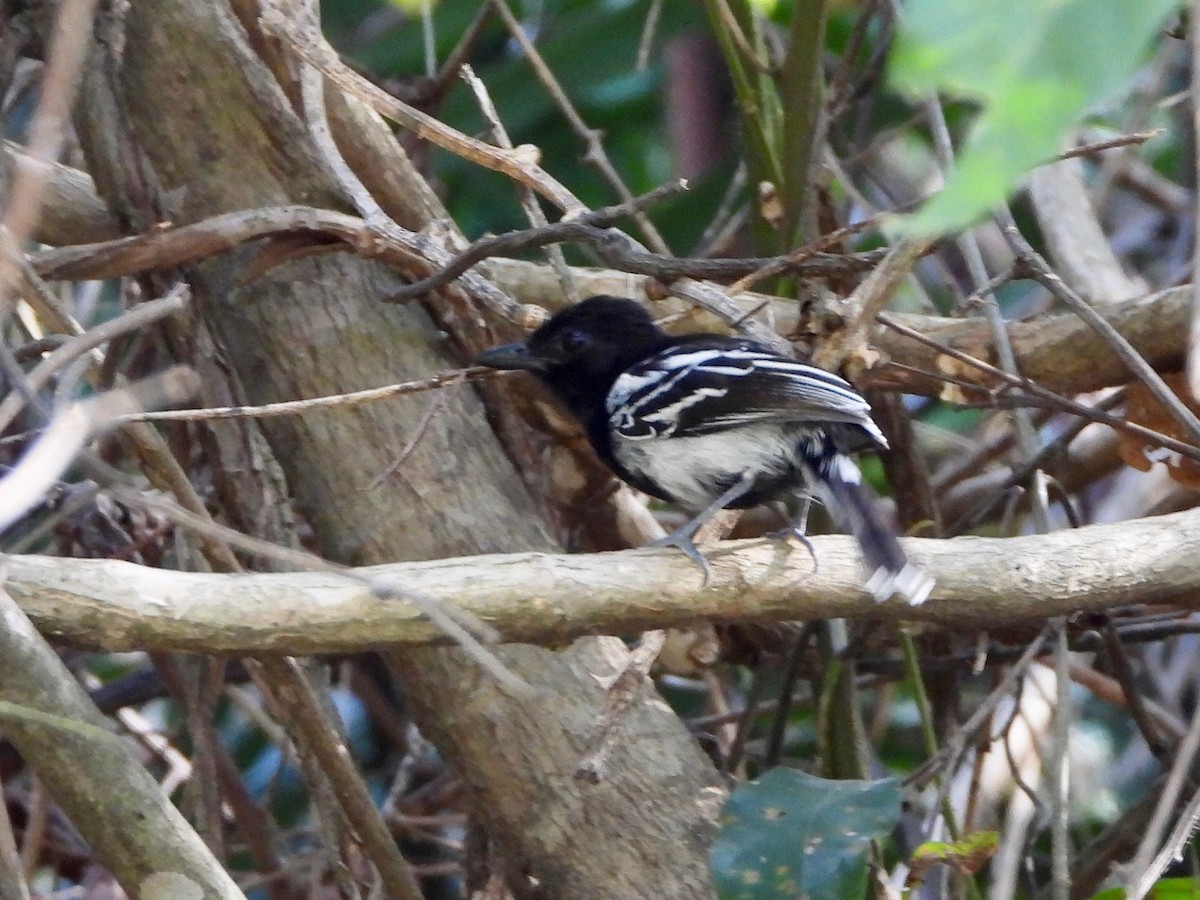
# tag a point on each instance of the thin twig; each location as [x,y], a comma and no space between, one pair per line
[741,43]
[646,41]
[1032,262]
[1138,880]
[1014,766]
[790,675]
[438,404]
[428,38]
[299,407]
[1021,473]
[869,298]
[841,88]
[529,203]
[312,92]
[138,317]
[948,757]
[590,227]
[50,309]
[617,701]
[1135,702]
[1123,140]
[822,244]
[731,214]
[594,155]
[1164,726]
[312,729]
[1037,392]
[733,757]
[1172,849]
[708,297]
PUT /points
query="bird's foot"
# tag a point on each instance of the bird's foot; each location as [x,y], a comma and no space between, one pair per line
[793,531]
[681,539]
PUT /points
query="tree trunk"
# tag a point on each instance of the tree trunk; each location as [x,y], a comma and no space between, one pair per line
[181,120]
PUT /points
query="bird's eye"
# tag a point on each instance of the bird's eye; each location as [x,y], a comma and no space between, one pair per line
[573,341]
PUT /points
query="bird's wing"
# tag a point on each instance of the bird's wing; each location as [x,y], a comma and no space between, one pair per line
[690,390]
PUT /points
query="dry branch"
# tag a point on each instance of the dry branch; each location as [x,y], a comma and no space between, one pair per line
[1059,352]
[1156,324]
[551,598]
[519,164]
[71,212]
[167,246]
[103,787]
[1075,239]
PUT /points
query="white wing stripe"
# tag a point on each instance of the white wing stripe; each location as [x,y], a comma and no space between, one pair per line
[636,395]
[724,370]
[625,397]
[670,414]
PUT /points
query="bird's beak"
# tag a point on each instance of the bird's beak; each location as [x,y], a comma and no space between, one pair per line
[511,356]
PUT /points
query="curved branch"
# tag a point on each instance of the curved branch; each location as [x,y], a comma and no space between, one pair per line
[551,598]
[169,246]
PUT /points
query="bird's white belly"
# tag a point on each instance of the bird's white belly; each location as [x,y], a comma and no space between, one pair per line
[696,470]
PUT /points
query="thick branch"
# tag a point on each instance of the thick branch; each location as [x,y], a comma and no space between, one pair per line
[550,598]
[1059,352]
[71,212]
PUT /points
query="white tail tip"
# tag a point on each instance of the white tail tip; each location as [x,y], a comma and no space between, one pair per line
[912,583]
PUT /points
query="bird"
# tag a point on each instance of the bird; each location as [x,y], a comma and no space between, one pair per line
[709,422]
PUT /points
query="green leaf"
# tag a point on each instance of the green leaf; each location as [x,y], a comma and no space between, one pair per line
[1166,889]
[1054,61]
[967,855]
[413,7]
[789,834]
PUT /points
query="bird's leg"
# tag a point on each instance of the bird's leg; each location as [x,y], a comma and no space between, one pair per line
[681,537]
[797,528]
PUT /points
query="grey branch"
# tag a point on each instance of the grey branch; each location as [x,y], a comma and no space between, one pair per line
[551,598]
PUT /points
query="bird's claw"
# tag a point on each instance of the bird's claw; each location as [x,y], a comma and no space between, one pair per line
[682,540]
[793,532]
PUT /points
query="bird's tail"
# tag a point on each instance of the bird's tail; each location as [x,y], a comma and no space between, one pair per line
[857,510]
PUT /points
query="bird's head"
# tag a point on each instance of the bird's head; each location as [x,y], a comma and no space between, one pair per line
[580,351]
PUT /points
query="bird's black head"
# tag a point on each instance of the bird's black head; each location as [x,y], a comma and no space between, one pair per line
[580,352]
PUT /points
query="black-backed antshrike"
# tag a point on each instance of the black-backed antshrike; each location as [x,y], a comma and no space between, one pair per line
[710,422]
